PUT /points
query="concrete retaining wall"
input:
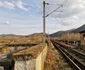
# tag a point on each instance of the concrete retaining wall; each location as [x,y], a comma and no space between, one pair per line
[25,65]
[40,60]
[1,68]
[33,64]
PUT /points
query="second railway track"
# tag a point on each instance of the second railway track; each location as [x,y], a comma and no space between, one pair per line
[75,58]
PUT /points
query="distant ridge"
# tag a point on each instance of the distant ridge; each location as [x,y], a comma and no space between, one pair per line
[7,35]
[10,35]
[82,28]
[60,33]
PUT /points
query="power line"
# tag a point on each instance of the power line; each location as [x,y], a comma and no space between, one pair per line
[44,16]
[64,3]
[54,10]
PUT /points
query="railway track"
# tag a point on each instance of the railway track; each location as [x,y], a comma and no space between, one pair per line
[75,58]
[82,55]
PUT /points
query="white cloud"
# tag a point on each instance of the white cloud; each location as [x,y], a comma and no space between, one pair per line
[7,22]
[72,7]
[4,22]
[73,10]
[20,5]
[73,15]
[7,4]
[10,5]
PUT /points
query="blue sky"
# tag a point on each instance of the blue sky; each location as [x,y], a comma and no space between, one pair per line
[24,17]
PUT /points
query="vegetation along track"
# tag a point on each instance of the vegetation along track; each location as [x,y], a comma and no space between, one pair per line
[75,59]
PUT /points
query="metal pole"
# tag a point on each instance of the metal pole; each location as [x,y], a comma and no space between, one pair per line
[43,21]
[44,24]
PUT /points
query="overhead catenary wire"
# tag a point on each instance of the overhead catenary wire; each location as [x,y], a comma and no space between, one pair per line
[54,10]
[64,3]
[44,16]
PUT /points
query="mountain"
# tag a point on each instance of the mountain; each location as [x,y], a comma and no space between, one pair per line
[14,35]
[11,35]
[34,34]
[82,28]
[7,35]
[60,33]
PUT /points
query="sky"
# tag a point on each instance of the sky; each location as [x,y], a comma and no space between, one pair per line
[24,17]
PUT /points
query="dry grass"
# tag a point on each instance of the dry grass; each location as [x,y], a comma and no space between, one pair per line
[34,51]
[70,37]
[52,61]
[33,39]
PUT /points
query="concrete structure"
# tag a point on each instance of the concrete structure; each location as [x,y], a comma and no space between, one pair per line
[82,35]
[25,65]
[40,60]
[26,60]
[1,68]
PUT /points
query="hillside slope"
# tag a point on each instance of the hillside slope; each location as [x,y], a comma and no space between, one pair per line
[60,33]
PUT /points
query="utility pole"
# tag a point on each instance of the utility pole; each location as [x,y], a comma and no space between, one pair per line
[43,21]
[44,25]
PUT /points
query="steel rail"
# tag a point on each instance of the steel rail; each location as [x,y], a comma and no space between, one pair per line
[73,61]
